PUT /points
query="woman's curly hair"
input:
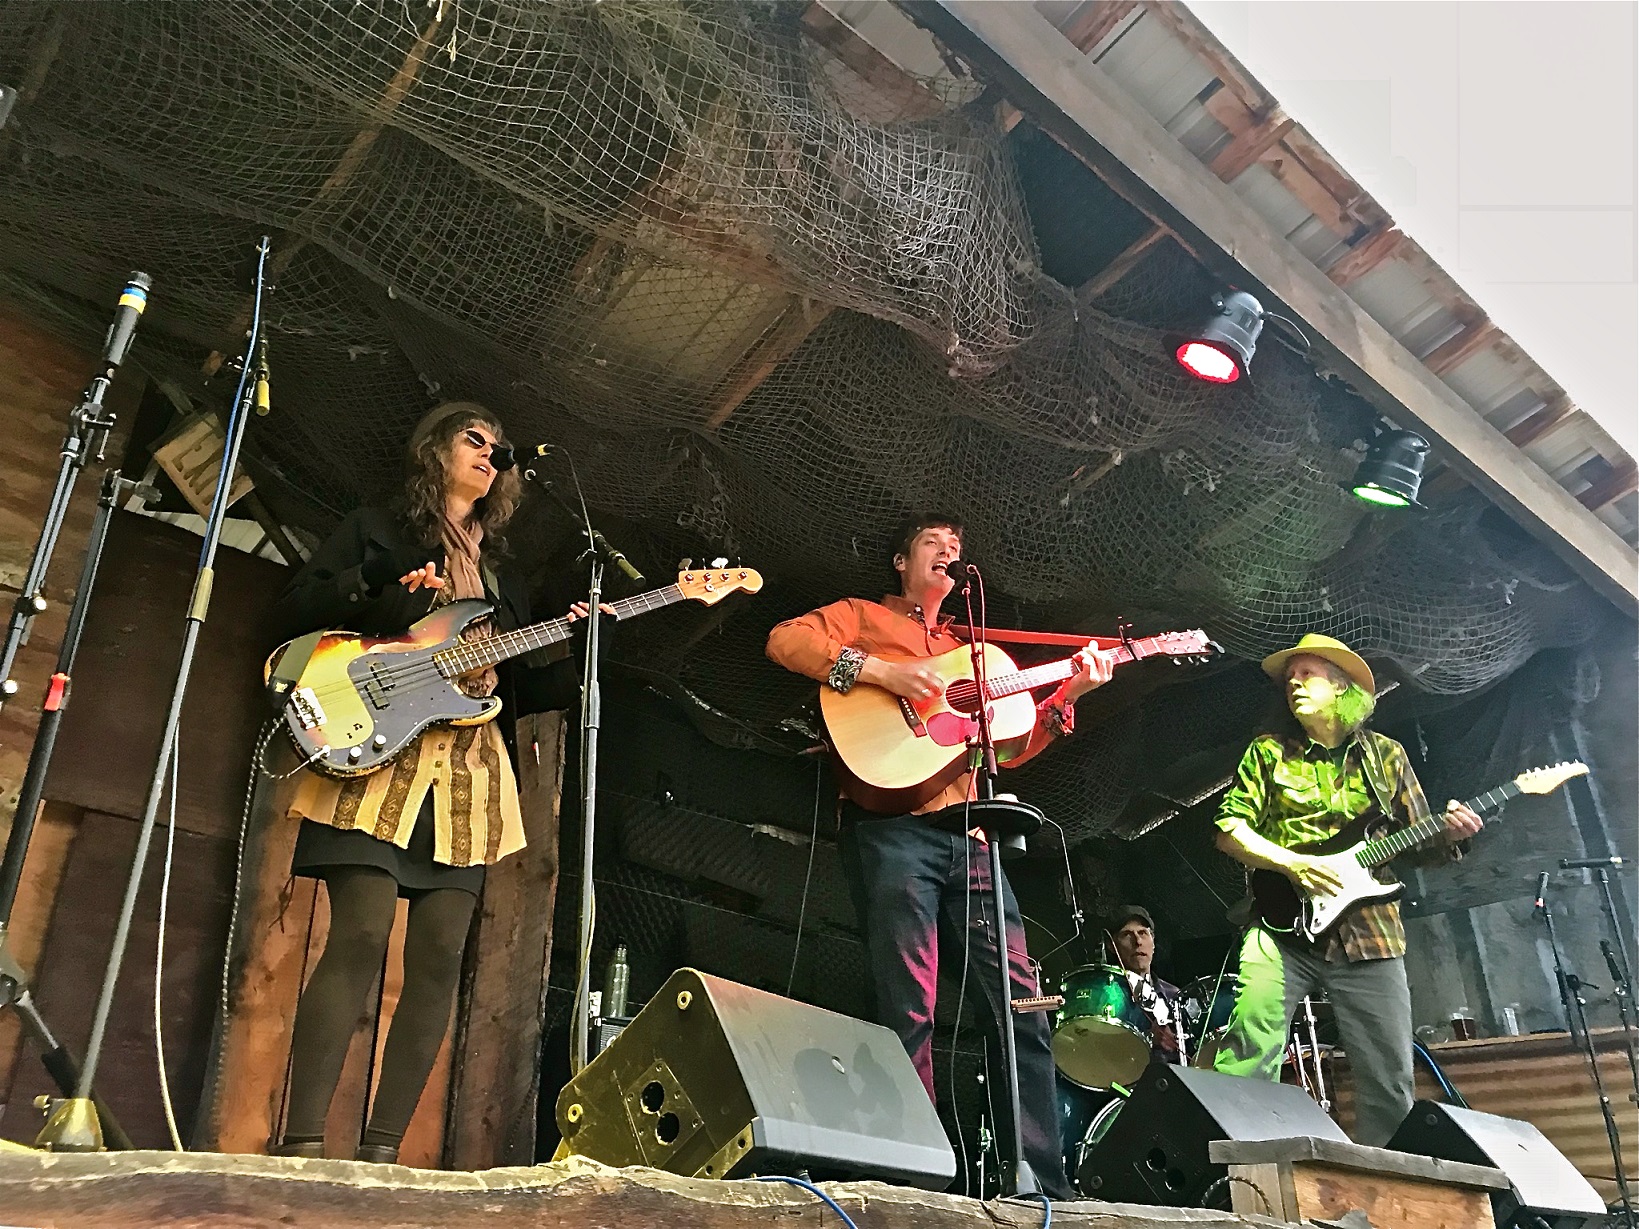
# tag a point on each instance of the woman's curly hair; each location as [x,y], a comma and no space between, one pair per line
[427,479]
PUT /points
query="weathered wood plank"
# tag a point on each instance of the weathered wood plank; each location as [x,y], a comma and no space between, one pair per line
[117,1190]
[1246,149]
[1463,345]
[1363,257]
[1125,262]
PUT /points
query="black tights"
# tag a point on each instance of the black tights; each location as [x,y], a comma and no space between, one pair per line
[362,900]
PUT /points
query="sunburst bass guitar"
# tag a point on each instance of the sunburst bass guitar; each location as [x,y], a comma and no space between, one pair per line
[1283,907]
[359,700]
[896,754]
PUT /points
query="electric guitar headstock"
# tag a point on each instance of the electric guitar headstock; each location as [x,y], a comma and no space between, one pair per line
[1547,780]
[711,585]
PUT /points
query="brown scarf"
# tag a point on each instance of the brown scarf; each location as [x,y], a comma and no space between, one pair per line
[466,580]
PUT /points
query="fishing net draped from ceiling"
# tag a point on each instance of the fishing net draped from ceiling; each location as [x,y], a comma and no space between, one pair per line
[764,308]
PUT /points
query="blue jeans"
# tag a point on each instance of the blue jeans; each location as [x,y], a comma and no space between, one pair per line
[910,883]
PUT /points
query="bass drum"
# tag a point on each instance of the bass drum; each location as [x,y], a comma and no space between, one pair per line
[1206,1005]
[1102,1037]
[1097,1129]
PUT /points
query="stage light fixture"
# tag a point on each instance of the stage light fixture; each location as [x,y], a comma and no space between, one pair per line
[1220,350]
[1392,472]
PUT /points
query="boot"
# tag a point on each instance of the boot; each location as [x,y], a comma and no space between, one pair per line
[313,1148]
[377,1154]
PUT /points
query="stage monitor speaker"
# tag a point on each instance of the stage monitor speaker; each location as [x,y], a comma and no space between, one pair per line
[716,1080]
[1545,1188]
[1155,1151]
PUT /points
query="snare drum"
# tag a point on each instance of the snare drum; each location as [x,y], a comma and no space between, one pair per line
[1207,1004]
[1101,1037]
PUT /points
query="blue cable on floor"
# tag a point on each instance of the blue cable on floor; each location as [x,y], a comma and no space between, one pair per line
[810,1187]
[1046,1207]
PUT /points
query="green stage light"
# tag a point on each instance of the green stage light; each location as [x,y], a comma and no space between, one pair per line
[1392,473]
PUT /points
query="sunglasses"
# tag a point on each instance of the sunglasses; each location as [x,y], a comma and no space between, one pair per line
[500,455]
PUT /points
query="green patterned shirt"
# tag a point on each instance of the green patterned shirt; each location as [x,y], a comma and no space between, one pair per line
[1295,797]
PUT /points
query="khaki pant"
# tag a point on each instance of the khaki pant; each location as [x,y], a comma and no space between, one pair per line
[1373,1007]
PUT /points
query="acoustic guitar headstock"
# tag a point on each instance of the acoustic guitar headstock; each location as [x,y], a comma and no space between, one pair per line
[1547,780]
[712,585]
[1191,647]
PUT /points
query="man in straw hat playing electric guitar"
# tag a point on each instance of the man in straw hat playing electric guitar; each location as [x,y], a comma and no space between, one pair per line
[1307,783]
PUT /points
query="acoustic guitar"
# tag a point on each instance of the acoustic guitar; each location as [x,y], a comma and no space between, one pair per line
[1285,908]
[359,700]
[896,754]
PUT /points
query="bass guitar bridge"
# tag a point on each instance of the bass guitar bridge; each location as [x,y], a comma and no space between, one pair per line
[309,712]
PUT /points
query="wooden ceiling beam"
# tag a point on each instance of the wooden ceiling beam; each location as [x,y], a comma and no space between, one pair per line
[1014,48]
[1128,259]
[1246,150]
[1092,23]
[1461,346]
[1378,246]
[1623,479]
[793,327]
[1539,422]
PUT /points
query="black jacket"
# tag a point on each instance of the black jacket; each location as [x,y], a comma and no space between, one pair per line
[330,592]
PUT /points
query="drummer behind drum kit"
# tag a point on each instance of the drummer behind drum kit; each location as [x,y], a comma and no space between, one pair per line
[1102,1041]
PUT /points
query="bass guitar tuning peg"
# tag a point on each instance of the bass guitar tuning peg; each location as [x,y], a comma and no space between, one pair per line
[685,563]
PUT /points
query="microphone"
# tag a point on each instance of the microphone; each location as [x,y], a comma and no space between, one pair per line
[960,569]
[1576,864]
[1610,963]
[264,402]
[1541,901]
[133,301]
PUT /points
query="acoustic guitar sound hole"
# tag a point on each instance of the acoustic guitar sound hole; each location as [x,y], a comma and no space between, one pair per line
[963,696]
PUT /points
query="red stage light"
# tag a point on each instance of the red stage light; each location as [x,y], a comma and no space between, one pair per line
[1206,362]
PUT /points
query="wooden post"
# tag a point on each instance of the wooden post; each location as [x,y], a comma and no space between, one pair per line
[495,1081]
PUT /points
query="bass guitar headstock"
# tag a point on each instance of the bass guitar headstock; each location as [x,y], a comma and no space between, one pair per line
[1547,780]
[712,585]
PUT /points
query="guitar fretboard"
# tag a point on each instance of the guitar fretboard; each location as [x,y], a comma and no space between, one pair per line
[1015,681]
[472,655]
[1375,853]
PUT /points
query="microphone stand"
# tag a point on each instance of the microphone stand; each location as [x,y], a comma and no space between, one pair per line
[14,985]
[73,1126]
[591,719]
[89,426]
[1576,1021]
[1000,824]
[1621,967]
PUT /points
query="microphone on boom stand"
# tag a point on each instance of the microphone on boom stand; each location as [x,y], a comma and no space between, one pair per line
[1577,864]
[133,302]
[264,401]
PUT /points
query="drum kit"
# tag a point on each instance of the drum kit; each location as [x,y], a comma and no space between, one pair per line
[1102,1041]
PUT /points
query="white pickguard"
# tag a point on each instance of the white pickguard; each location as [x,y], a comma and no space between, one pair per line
[1322,911]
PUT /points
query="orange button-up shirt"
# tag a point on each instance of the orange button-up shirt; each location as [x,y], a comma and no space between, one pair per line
[895,629]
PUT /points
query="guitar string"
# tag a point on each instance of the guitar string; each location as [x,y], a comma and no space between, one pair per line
[427,667]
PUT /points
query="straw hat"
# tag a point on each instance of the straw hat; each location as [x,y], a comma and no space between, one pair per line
[1334,651]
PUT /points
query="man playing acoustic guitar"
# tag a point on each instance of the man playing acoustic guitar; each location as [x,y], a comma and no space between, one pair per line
[911,879]
[1294,788]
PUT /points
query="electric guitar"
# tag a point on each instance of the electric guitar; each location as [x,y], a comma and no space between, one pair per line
[358,700]
[1285,908]
[895,754]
